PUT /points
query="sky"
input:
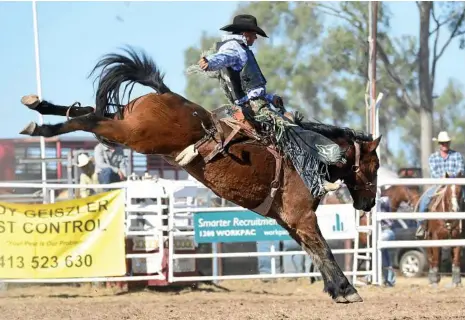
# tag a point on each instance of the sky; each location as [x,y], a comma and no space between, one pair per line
[74,35]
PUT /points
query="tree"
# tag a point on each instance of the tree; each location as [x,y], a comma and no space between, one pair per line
[396,61]
[317,59]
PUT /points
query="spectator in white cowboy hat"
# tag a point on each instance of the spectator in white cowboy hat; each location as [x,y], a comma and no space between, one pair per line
[440,162]
[87,176]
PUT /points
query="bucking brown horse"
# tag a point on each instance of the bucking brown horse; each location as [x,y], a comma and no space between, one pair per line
[448,198]
[223,154]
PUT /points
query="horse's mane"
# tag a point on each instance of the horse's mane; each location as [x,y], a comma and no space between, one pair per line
[335,132]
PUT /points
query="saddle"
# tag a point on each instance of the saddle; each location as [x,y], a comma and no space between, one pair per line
[229,128]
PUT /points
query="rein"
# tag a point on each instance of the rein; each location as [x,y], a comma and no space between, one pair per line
[356,168]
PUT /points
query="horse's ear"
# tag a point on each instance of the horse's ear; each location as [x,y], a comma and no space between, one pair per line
[371,146]
[459,175]
[446,175]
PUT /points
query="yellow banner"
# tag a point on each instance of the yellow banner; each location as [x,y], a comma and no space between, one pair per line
[69,239]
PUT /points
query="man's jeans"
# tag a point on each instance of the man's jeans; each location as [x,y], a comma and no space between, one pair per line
[107,176]
[425,200]
[388,273]
[264,262]
[297,263]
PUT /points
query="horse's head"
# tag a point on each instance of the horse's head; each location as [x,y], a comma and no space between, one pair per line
[362,178]
[398,194]
[454,193]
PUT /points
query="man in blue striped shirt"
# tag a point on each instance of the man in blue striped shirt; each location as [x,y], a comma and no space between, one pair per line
[440,162]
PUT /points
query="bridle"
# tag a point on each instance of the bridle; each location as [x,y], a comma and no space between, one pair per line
[368,186]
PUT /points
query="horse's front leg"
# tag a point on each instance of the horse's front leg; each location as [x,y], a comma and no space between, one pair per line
[456,253]
[434,256]
[47,108]
[307,233]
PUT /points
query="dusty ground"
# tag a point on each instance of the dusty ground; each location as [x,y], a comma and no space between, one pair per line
[285,299]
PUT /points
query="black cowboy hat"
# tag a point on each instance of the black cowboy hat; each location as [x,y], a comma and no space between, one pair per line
[244,22]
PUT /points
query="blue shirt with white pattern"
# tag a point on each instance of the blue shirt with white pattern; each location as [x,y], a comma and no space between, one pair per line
[452,164]
[232,55]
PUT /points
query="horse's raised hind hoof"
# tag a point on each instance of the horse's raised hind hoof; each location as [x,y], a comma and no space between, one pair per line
[31,101]
[29,129]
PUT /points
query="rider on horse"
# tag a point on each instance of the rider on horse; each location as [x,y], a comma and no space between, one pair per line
[309,151]
[238,64]
[441,162]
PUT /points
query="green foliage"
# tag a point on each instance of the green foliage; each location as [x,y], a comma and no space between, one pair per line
[201,89]
[316,58]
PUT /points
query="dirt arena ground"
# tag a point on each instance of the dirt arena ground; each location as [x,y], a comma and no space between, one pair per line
[242,299]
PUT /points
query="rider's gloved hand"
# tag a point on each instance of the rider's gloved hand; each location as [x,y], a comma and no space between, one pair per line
[278,103]
[203,63]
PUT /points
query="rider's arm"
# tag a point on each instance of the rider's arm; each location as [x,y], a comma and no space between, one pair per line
[269,97]
[228,55]
[258,92]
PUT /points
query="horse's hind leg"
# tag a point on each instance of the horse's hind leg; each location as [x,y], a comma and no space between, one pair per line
[46,108]
[114,130]
[307,233]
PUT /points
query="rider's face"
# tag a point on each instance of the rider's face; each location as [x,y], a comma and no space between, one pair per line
[250,36]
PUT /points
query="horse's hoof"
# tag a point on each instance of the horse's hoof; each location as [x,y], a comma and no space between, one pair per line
[29,129]
[341,299]
[31,101]
[354,297]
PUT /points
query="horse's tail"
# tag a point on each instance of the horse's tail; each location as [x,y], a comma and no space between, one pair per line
[117,69]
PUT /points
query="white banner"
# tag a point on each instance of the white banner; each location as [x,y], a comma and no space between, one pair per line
[337,221]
